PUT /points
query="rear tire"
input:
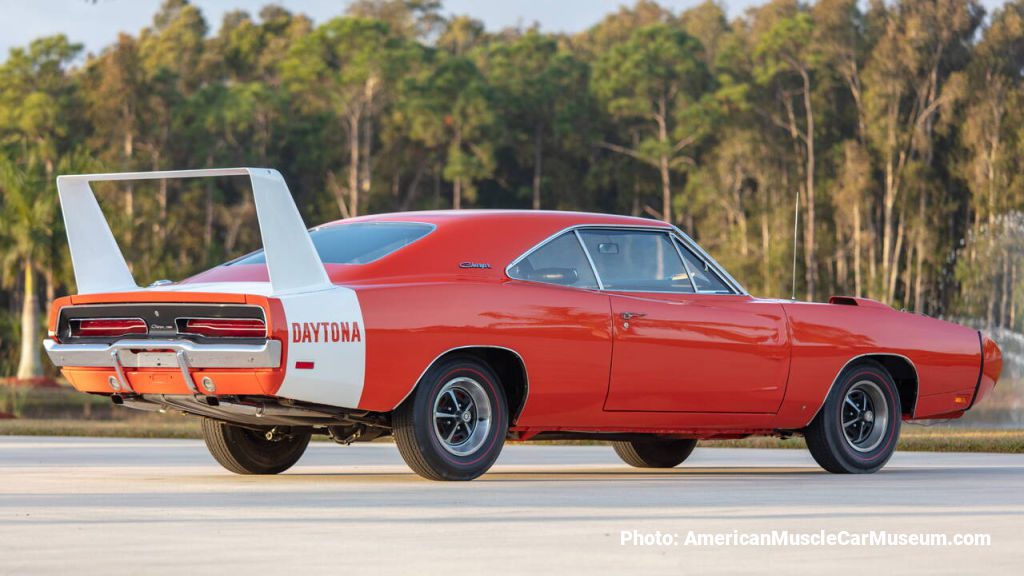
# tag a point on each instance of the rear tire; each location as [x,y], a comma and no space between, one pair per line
[654,453]
[453,425]
[857,428]
[246,451]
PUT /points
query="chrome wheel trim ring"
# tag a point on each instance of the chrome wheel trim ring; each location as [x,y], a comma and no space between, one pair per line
[462,416]
[864,416]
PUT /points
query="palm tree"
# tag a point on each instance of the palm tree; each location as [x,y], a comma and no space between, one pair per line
[27,215]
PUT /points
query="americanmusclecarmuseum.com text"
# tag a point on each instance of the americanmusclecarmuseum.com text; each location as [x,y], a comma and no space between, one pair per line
[790,538]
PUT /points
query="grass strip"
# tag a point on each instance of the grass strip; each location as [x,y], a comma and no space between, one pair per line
[912,439]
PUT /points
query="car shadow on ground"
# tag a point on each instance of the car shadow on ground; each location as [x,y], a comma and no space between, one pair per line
[527,473]
[522,474]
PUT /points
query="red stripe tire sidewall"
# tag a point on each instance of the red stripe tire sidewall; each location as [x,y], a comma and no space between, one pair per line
[884,449]
[499,423]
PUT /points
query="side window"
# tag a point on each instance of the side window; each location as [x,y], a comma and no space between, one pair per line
[560,261]
[636,260]
[703,276]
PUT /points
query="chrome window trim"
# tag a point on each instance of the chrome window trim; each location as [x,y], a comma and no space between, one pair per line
[716,268]
[689,273]
[586,253]
[542,244]
[724,275]
[680,249]
[682,261]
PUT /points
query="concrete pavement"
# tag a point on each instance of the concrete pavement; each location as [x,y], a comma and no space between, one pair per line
[102,506]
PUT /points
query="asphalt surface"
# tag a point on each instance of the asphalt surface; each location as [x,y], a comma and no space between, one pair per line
[103,506]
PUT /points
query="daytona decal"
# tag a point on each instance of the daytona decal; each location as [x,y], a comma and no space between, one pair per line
[326,332]
[327,352]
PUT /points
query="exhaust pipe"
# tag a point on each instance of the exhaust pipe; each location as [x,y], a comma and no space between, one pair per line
[136,403]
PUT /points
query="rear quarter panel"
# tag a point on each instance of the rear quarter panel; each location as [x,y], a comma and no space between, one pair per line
[825,337]
[563,336]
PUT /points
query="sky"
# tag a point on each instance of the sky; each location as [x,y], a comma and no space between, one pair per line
[96,23]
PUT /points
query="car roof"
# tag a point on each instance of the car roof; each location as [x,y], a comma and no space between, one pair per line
[555,218]
[491,237]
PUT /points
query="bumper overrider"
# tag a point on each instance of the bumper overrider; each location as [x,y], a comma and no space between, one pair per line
[158,354]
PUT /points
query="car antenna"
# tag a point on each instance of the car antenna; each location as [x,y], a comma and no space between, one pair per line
[796,228]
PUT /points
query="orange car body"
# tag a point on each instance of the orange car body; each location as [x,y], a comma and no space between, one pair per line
[592,360]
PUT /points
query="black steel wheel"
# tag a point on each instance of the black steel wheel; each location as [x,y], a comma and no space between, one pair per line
[857,428]
[453,425]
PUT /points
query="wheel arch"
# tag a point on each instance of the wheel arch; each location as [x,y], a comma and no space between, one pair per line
[507,363]
[899,367]
[904,374]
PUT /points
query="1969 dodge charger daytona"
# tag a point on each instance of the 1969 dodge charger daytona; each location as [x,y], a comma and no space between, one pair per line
[454,331]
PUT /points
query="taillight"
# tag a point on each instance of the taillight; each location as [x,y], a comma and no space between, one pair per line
[110,327]
[223,327]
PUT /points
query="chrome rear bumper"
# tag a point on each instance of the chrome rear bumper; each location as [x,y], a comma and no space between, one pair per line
[181,354]
[139,354]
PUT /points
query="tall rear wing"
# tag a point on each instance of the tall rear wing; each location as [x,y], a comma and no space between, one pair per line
[292,260]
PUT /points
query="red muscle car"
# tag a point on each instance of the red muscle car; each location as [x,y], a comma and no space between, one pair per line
[454,331]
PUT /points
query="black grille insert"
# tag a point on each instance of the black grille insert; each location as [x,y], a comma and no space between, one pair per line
[161,318]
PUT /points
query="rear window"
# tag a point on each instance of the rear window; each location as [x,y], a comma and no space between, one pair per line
[359,243]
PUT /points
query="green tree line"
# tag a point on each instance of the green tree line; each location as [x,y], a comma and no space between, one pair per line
[867,149]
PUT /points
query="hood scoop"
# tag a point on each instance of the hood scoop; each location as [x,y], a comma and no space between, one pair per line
[855,301]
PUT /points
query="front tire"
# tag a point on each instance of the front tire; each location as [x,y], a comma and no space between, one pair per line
[453,425]
[857,428]
[246,451]
[654,453]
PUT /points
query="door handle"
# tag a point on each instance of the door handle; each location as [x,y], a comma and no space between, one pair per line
[631,315]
